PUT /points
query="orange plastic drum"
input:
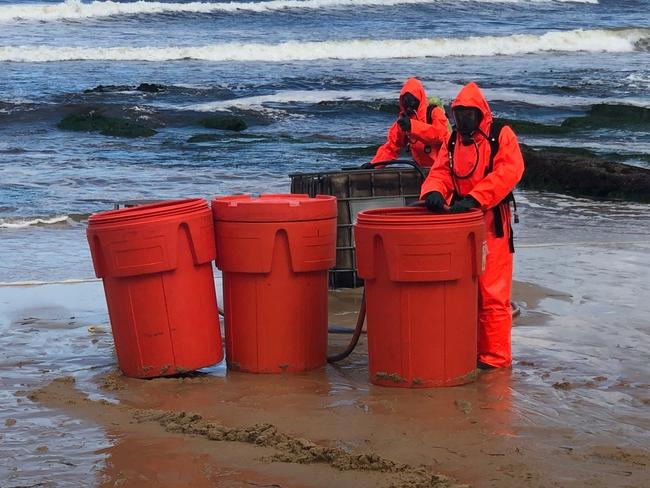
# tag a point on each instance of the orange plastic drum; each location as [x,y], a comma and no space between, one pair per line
[156,264]
[421,283]
[274,251]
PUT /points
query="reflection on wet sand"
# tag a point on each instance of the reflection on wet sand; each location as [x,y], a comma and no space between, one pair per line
[571,412]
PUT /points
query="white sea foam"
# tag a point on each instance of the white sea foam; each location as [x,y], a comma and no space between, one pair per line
[549,100]
[445,90]
[19,223]
[639,80]
[597,40]
[75,9]
[290,96]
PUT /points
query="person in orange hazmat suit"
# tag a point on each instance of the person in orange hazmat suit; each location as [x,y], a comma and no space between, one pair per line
[420,127]
[478,167]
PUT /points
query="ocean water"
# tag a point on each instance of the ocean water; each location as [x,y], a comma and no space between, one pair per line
[310,78]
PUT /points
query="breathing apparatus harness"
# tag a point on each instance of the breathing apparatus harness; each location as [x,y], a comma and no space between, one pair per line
[493,139]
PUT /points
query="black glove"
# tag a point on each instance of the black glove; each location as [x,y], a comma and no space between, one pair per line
[367,166]
[464,205]
[434,201]
[404,123]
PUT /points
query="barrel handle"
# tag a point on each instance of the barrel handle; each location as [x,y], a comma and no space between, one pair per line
[98,256]
[193,231]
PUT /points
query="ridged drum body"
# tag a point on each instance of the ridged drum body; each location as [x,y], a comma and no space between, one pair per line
[274,251]
[421,283]
[156,265]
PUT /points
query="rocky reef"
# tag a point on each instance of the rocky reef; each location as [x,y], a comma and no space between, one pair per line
[582,173]
[142,87]
[224,122]
[92,120]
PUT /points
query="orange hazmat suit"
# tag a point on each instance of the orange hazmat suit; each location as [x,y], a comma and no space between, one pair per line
[470,175]
[425,137]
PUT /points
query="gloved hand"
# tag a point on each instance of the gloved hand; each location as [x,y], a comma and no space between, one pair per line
[434,201]
[464,204]
[366,166]
[404,123]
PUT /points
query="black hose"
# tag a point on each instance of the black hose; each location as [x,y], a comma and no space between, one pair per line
[355,337]
[334,329]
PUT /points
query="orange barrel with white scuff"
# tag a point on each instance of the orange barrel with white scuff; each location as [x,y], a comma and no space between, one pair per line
[156,265]
[275,251]
[420,271]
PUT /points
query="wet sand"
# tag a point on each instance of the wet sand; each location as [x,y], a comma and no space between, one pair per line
[574,410]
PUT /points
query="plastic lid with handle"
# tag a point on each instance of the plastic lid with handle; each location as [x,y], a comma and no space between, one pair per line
[283,207]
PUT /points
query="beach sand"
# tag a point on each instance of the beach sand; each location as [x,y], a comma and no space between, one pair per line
[573,411]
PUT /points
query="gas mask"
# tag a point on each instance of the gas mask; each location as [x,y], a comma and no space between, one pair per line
[409,104]
[467,121]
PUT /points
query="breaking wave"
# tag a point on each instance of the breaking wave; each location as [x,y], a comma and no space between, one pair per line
[75,9]
[21,222]
[384,100]
[598,40]
[289,96]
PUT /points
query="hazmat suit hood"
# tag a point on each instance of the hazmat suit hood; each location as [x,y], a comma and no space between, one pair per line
[471,96]
[415,88]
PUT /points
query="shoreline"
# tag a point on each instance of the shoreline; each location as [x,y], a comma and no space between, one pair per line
[534,425]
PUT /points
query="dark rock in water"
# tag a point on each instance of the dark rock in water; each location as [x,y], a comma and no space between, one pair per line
[224,122]
[619,157]
[599,116]
[142,87]
[150,88]
[204,138]
[611,116]
[108,89]
[565,172]
[95,121]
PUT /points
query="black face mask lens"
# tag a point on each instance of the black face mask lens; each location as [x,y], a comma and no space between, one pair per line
[467,121]
[410,103]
